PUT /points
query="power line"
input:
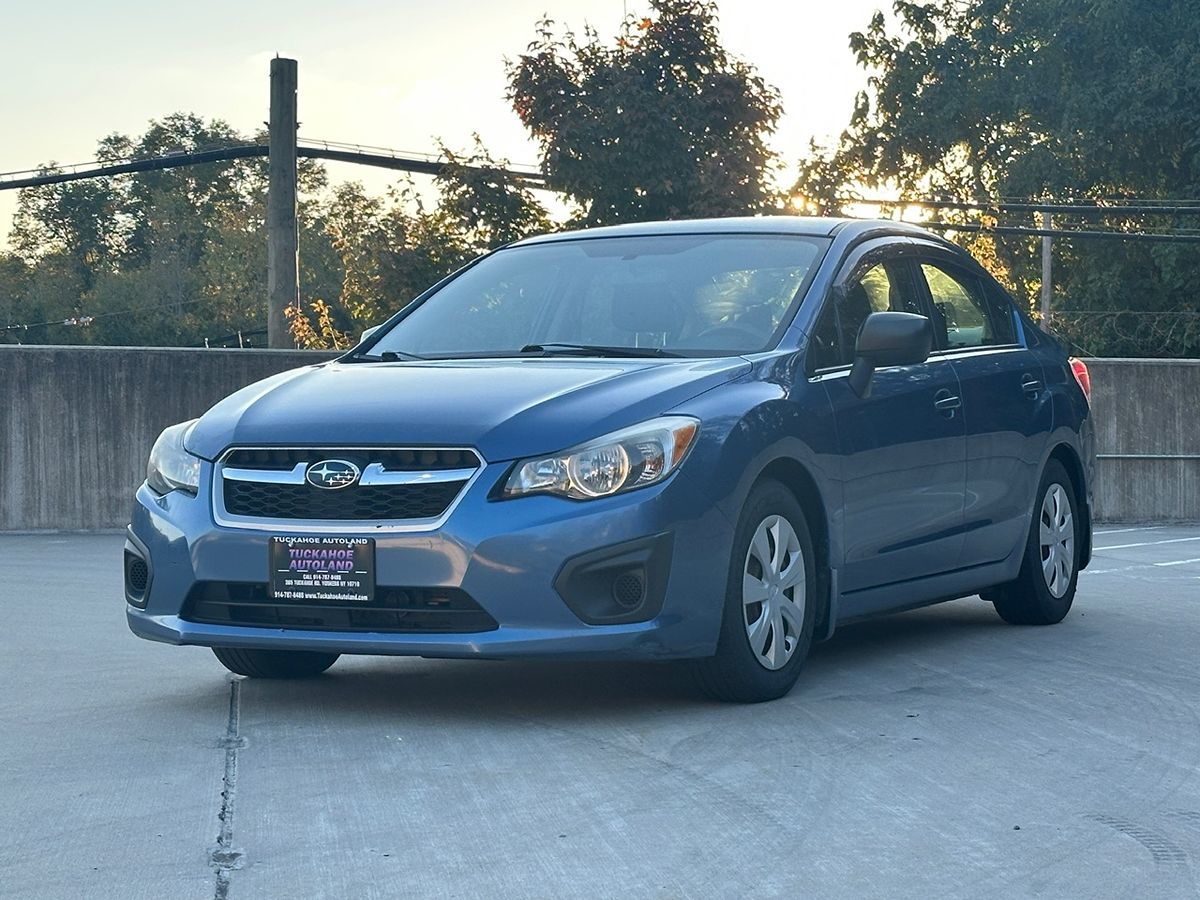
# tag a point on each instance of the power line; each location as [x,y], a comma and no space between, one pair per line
[239,336]
[1110,199]
[331,151]
[116,160]
[1127,312]
[373,148]
[101,169]
[1083,208]
[1145,236]
[85,320]
[528,169]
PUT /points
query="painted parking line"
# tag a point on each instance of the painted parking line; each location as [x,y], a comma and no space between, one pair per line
[1140,566]
[1149,543]
[1179,562]
[1125,530]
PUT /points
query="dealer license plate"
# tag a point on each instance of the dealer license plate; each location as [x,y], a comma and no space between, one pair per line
[322,569]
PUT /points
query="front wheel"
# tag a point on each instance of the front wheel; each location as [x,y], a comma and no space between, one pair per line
[1045,588]
[274,663]
[770,599]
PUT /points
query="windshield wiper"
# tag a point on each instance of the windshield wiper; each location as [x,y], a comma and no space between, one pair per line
[385,356]
[558,348]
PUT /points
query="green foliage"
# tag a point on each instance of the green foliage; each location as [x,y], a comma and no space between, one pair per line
[987,99]
[148,258]
[391,249]
[973,100]
[178,256]
[483,203]
[321,335]
[662,124]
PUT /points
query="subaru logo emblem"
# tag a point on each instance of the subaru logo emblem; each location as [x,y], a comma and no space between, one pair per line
[332,474]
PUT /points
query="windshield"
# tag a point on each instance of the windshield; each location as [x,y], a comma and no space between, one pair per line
[679,295]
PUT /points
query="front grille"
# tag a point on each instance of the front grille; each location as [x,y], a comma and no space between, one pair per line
[303,501]
[414,459]
[394,610]
[396,485]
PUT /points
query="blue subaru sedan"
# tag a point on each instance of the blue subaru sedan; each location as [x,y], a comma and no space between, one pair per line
[708,440]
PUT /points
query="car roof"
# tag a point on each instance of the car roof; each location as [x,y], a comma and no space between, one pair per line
[810,226]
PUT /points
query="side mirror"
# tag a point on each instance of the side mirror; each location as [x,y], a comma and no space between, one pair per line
[889,339]
[370,331]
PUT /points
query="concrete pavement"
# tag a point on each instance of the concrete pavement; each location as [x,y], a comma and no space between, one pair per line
[934,753]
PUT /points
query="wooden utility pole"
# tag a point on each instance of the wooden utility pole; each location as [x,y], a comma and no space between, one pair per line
[283,238]
[1047,280]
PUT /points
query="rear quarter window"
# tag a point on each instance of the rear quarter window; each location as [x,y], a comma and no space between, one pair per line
[1003,313]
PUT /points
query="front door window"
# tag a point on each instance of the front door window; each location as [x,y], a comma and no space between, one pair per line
[882,287]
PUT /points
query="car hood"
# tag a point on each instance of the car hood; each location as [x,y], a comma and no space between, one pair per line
[504,408]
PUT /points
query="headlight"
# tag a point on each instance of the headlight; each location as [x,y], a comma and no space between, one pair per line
[631,458]
[171,468]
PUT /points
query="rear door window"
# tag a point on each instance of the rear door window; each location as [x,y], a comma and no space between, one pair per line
[964,315]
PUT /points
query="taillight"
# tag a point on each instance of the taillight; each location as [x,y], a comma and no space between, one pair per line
[1079,370]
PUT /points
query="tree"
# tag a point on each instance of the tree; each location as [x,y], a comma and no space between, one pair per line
[484,202]
[987,99]
[662,124]
[76,220]
[178,256]
[391,249]
[175,256]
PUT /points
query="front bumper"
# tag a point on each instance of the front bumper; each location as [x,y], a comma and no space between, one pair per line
[506,555]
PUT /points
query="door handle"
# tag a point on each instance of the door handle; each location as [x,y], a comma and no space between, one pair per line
[946,403]
[1030,385]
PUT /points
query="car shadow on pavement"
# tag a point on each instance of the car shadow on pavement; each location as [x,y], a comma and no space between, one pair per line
[900,633]
[478,690]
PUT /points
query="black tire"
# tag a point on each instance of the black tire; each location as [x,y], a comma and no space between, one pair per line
[1029,600]
[274,663]
[735,674]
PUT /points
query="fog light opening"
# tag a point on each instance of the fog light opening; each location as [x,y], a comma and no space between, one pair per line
[629,590]
[618,584]
[137,578]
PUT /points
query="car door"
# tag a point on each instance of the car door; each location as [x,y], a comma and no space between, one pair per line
[902,448]
[1005,407]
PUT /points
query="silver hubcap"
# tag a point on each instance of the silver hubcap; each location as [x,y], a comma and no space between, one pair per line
[1057,540]
[773,592]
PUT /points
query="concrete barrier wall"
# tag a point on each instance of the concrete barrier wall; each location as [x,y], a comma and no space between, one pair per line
[76,425]
[1147,414]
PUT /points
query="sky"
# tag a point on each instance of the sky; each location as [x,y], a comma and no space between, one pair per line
[399,74]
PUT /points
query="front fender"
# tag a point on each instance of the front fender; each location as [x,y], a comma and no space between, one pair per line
[761,421]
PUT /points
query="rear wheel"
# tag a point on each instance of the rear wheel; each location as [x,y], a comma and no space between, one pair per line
[770,597]
[274,663]
[1045,588]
